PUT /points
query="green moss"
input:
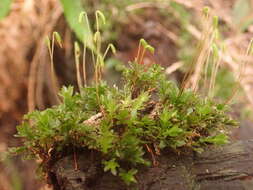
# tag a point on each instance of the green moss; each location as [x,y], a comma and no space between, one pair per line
[149,112]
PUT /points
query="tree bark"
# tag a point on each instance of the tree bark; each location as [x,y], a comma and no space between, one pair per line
[218,168]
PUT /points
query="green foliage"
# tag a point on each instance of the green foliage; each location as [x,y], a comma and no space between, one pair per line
[72,11]
[112,166]
[149,111]
[4,8]
[128,177]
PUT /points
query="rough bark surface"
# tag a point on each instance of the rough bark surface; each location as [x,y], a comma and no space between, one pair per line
[222,168]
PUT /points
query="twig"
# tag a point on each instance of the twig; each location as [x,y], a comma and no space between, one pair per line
[75,160]
[155,162]
[93,120]
[175,66]
[144,5]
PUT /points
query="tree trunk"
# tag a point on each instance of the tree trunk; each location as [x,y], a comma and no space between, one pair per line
[219,168]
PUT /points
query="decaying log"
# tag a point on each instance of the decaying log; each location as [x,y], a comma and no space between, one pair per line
[218,168]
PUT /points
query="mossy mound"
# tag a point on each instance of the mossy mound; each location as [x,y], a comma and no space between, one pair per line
[148,114]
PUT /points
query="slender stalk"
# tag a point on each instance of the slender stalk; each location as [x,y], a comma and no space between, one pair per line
[84,63]
[77,62]
[138,53]
[142,55]
[52,73]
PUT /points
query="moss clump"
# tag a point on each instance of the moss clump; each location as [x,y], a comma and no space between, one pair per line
[147,114]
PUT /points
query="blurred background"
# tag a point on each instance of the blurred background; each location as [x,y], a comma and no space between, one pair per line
[177,29]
